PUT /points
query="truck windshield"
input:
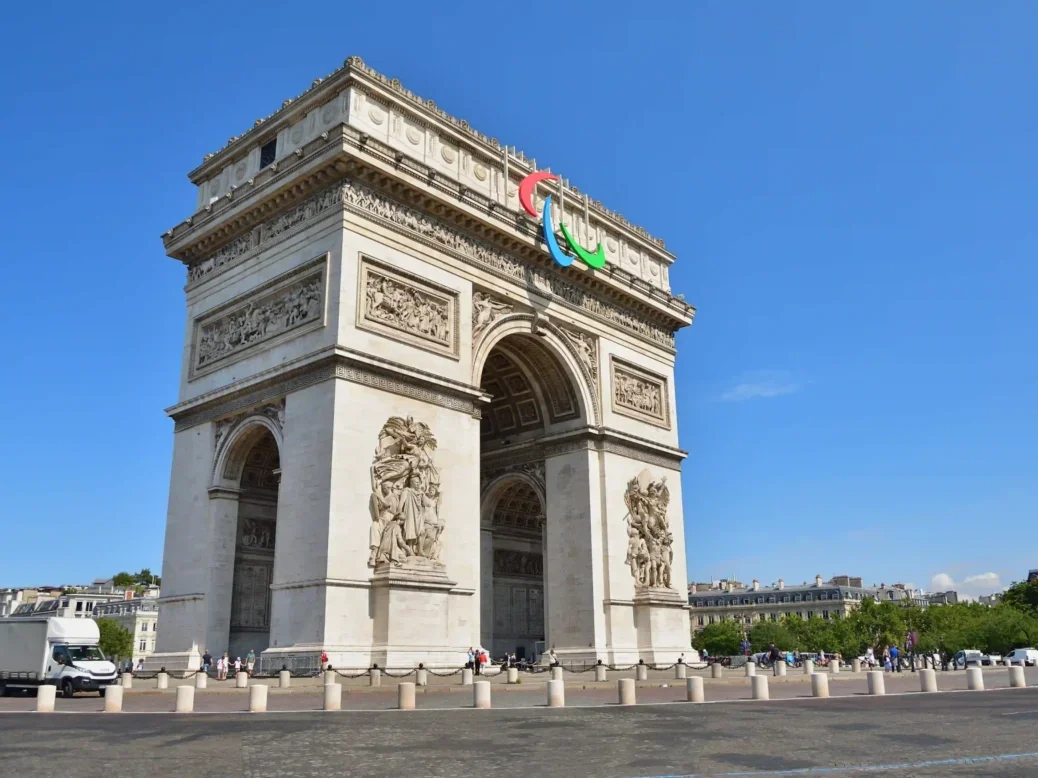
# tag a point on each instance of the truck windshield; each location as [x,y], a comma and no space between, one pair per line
[86,654]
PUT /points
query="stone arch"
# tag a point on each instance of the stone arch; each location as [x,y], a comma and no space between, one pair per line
[234,444]
[546,337]
[500,486]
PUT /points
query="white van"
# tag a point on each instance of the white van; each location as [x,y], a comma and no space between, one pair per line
[968,658]
[62,652]
[1022,656]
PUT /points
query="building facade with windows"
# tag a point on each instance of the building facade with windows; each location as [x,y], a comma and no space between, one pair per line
[729,600]
[139,617]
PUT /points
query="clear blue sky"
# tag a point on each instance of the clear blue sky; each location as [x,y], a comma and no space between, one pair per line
[850,190]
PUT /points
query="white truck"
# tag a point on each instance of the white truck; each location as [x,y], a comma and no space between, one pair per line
[50,650]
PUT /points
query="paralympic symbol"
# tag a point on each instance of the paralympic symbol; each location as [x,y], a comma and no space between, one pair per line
[595,259]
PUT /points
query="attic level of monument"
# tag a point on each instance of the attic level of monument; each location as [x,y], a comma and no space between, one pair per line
[343,120]
[389,93]
[305,188]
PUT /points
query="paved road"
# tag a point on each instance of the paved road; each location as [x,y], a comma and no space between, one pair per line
[910,735]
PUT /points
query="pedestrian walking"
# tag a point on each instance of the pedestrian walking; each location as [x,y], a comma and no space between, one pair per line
[895,659]
[250,662]
[237,665]
[207,660]
[470,659]
[324,660]
[221,668]
[774,657]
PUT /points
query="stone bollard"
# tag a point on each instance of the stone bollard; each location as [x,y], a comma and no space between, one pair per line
[751,670]
[185,699]
[927,680]
[809,666]
[329,676]
[819,685]
[258,698]
[834,666]
[759,687]
[876,683]
[716,671]
[200,680]
[114,699]
[466,677]
[974,679]
[556,694]
[422,677]
[556,673]
[405,695]
[1016,677]
[241,679]
[642,672]
[513,675]
[284,679]
[680,671]
[625,691]
[333,696]
[162,681]
[45,695]
[481,694]
[600,672]
[781,668]
[855,665]
[374,677]
[126,681]
[694,689]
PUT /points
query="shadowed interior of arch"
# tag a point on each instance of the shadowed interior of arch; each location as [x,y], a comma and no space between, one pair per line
[533,396]
[254,542]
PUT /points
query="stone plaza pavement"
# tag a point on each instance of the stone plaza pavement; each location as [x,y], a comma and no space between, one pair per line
[306,694]
[962,735]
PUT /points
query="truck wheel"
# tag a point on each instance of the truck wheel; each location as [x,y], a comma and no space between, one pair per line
[3,689]
[66,689]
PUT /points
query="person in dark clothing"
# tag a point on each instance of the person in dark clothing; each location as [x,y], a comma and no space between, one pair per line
[207,661]
[774,657]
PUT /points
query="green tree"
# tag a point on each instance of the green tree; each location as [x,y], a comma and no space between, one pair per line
[144,577]
[721,639]
[1022,596]
[116,642]
[767,632]
[122,579]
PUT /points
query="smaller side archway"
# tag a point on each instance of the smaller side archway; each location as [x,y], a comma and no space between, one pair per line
[244,517]
[512,618]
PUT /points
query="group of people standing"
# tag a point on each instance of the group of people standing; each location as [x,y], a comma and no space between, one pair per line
[476,660]
[891,658]
[223,665]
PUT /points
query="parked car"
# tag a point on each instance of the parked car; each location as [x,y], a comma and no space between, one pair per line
[968,658]
[1028,657]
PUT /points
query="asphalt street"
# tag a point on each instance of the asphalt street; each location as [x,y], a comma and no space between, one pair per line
[976,734]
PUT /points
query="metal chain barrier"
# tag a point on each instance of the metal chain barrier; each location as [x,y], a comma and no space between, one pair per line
[398,675]
[361,674]
[445,675]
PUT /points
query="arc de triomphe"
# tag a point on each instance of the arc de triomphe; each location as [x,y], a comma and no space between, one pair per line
[404,427]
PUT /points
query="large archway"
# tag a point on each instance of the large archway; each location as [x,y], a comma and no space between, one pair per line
[251,470]
[535,392]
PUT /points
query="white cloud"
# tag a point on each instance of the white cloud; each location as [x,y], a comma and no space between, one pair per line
[971,587]
[762,384]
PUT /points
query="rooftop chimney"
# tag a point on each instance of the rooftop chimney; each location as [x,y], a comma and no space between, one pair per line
[818,580]
[756,584]
[781,584]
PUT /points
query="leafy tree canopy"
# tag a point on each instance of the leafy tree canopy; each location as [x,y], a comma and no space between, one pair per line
[116,641]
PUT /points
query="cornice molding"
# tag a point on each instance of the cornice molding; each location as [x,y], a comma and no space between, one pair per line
[345,365]
[599,439]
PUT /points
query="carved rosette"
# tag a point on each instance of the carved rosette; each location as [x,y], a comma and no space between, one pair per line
[406,527]
[649,539]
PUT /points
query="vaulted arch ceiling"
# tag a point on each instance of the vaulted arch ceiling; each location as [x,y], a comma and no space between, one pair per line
[518,508]
[529,387]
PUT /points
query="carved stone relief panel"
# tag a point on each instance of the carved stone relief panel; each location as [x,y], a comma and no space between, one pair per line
[406,525]
[404,307]
[286,307]
[586,347]
[485,311]
[522,564]
[640,394]
[649,539]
